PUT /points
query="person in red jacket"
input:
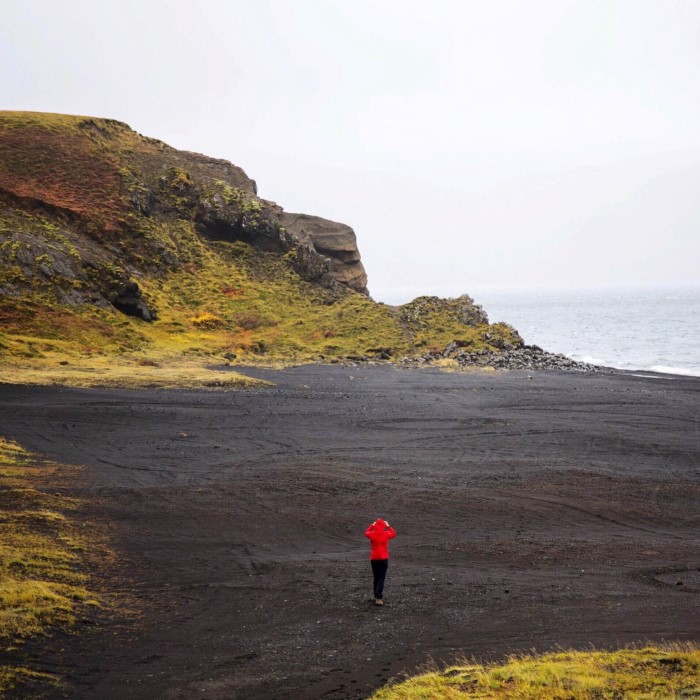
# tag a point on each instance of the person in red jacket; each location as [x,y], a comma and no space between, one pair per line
[379,533]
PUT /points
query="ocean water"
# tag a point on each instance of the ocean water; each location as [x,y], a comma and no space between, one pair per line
[653,329]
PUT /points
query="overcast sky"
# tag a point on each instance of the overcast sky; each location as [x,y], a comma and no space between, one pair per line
[552,143]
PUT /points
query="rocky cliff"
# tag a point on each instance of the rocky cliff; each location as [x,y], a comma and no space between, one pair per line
[99,224]
[108,185]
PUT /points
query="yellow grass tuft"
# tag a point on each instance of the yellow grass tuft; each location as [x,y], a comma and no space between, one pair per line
[41,582]
[650,673]
[24,681]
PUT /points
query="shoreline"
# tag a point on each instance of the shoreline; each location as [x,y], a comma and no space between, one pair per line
[216,376]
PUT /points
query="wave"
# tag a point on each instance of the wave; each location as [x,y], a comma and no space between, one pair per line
[660,369]
[589,359]
[664,369]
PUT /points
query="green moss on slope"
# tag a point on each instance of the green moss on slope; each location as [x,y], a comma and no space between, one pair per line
[95,217]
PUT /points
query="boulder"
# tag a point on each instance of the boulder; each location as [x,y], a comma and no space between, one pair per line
[128,299]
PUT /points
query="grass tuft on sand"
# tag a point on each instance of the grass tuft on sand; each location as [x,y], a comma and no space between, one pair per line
[134,373]
[41,552]
[650,673]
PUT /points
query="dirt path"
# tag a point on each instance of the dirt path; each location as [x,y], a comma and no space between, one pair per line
[557,510]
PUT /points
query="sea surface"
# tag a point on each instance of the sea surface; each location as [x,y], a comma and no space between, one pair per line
[652,329]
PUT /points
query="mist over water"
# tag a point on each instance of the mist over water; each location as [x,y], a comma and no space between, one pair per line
[654,329]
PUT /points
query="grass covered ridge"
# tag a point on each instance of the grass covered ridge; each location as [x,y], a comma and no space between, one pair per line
[101,227]
[42,556]
[231,304]
[651,673]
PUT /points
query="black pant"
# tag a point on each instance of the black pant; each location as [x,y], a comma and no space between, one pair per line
[379,567]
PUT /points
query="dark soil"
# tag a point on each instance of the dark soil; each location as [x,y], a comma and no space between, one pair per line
[532,510]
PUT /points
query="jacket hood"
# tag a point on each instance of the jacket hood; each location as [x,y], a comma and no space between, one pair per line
[379,524]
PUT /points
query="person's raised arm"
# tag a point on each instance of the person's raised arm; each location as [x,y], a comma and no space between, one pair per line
[390,531]
[369,530]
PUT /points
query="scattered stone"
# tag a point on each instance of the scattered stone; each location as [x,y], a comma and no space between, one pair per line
[380,353]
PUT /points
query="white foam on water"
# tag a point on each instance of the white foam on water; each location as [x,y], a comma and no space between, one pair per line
[660,369]
[663,369]
[589,359]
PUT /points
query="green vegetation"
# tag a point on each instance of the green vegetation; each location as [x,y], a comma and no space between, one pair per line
[236,196]
[178,178]
[94,215]
[229,303]
[42,585]
[652,673]
[136,373]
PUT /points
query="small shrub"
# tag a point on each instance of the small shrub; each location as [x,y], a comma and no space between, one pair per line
[207,320]
[250,321]
[179,179]
[232,292]
[147,362]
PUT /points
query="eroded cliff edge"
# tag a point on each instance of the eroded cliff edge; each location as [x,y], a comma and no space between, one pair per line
[113,189]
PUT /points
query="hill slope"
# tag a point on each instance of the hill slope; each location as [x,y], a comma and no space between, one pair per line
[112,243]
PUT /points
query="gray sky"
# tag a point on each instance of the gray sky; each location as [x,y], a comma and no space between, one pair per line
[468,143]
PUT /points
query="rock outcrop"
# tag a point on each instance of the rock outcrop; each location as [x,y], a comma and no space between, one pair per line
[422,311]
[90,206]
[333,240]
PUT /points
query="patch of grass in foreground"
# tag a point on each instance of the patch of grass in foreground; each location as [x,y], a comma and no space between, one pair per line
[41,552]
[165,373]
[650,673]
[24,682]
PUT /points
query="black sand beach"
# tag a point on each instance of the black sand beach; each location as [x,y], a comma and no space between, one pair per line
[532,509]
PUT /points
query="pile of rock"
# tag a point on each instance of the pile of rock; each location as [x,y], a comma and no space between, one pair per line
[526,357]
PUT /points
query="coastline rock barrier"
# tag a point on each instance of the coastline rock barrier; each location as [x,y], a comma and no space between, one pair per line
[525,357]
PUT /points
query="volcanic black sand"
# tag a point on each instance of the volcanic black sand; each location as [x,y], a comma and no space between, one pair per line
[532,510]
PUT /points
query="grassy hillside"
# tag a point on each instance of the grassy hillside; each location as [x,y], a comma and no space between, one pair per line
[113,245]
[652,673]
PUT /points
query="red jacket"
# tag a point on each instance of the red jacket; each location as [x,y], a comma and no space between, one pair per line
[379,533]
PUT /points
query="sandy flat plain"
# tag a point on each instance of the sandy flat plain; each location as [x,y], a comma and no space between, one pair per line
[533,510]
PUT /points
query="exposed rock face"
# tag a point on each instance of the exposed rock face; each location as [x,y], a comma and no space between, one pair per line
[422,310]
[333,240]
[87,205]
[128,300]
